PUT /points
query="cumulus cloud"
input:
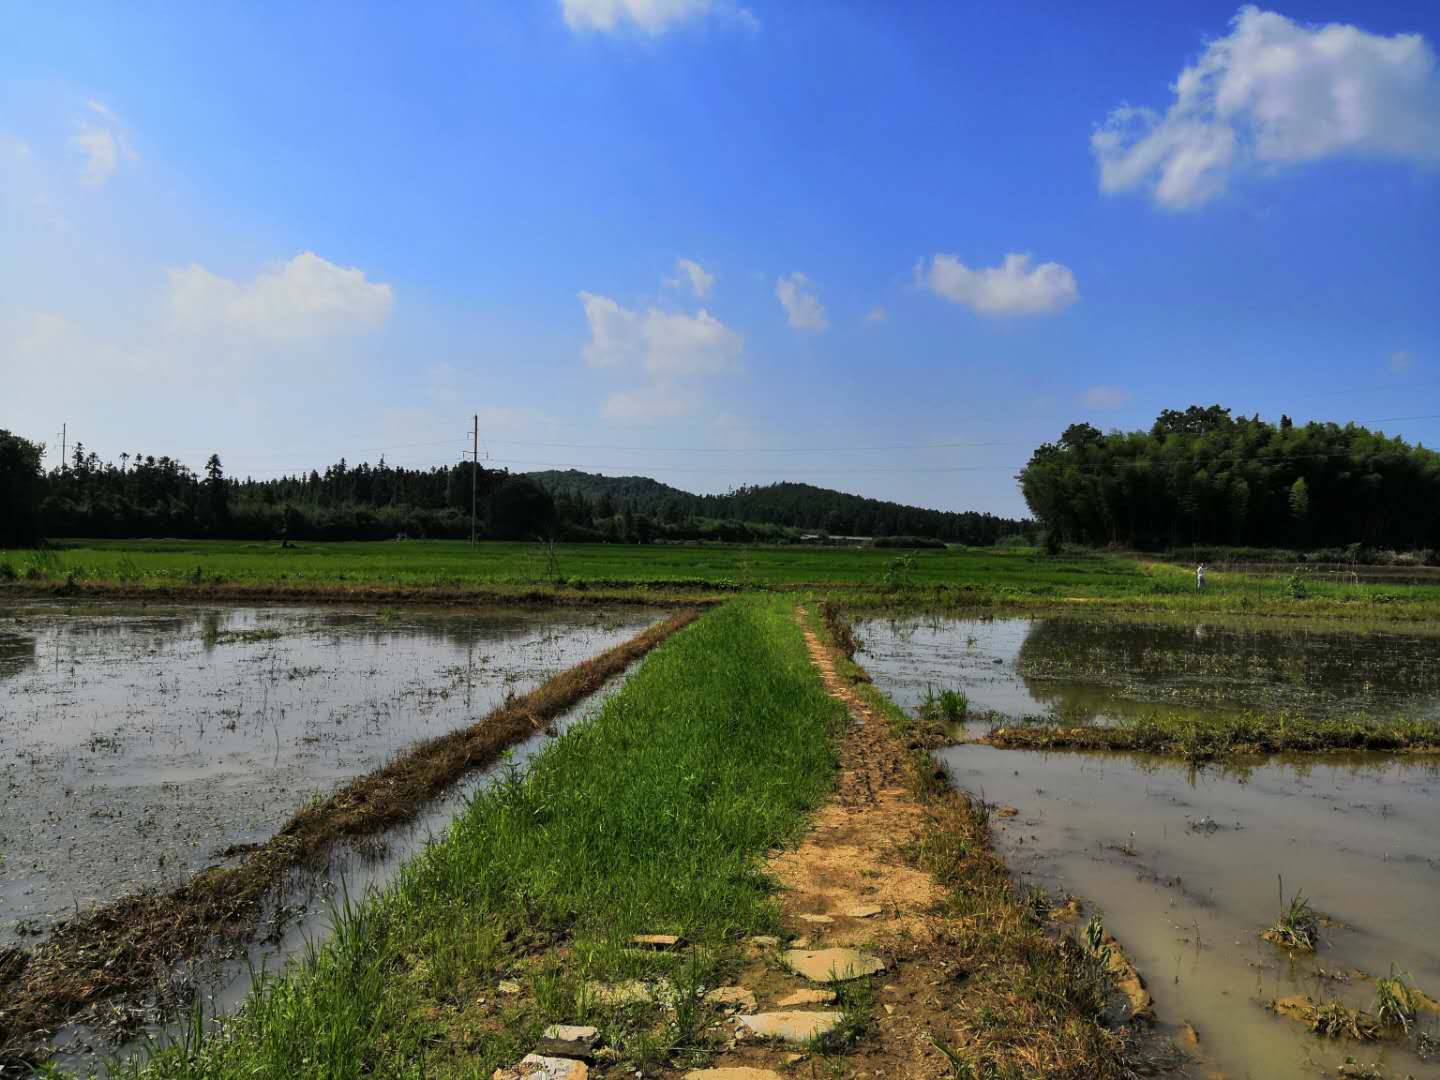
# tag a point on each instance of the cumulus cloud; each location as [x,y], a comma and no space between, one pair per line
[665,343]
[689,272]
[1106,397]
[101,140]
[1401,361]
[653,17]
[1275,92]
[307,297]
[803,308]
[1012,288]
[658,401]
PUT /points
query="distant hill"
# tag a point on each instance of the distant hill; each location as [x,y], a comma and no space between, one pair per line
[789,505]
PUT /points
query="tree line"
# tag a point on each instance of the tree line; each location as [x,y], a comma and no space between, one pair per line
[1205,476]
[142,495]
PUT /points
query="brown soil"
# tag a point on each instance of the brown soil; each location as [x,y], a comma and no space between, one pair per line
[122,950]
[952,966]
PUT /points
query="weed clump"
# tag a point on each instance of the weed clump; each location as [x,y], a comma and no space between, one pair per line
[1298,927]
[1395,1002]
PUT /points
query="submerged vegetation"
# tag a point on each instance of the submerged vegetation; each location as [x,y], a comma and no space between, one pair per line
[1212,735]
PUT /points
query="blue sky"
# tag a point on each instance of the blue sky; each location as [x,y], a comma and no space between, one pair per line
[750,241]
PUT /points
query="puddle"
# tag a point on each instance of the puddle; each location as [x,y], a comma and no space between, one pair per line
[136,743]
[1356,837]
[1091,670]
[1184,862]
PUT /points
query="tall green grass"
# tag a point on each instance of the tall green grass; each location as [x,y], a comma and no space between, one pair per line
[653,817]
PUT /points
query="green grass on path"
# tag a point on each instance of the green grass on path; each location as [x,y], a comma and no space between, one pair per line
[655,816]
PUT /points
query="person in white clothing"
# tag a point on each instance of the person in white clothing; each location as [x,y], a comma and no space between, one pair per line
[1200,577]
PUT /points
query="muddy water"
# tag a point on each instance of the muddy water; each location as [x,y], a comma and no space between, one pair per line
[1099,670]
[1184,864]
[303,916]
[1185,868]
[136,744]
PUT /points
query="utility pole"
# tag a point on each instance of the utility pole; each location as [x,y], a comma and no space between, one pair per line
[474,468]
[64,428]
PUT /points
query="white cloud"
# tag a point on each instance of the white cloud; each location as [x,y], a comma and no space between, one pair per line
[665,343]
[658,401]
[1106,397]
[1401,361]
[654,17]
[1276,92]
[1012,288]
[307,297]
[690,272]
[104,145]
[876,314]
[803,308]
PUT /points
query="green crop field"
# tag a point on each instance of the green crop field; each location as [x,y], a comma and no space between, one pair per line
[866,576]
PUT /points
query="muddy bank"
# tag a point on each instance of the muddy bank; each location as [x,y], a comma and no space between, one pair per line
[118,949]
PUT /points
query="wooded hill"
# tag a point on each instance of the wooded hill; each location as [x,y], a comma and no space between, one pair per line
[1204,476]
[141,495]
[803,507]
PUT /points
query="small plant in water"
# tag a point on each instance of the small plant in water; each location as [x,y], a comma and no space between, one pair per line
[1395,1002]
[948,705]
[1333,1021]
[1298,926]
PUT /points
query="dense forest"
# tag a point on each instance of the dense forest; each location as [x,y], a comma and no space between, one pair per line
[141,495]
[1205,476]
[794,506]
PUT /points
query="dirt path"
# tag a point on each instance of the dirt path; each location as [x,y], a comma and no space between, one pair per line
[852,883]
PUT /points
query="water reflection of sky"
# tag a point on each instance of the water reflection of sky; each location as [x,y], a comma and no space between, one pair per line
[1106,669]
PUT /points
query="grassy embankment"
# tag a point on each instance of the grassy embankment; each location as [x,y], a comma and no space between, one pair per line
[652,817]
[872,578]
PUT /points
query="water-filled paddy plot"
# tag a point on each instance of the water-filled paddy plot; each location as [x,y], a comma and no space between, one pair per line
[1185,861]
[138,744]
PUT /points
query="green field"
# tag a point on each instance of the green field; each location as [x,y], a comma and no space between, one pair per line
[866,576]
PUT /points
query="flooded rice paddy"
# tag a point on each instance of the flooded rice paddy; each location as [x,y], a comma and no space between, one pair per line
[138,744]
[1185,863]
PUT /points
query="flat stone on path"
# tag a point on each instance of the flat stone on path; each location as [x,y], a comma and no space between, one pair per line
[805,997]
[863,911]
[655,941]
[735,997]
[827,965]
[536,1067]
[741,1073]
[568,1041]
[790,1026]
[818,920]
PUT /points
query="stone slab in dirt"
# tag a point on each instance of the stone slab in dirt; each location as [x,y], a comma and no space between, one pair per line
[828,965]
[655,941]
[568,1041]
[805,997]
[536,1067]
[790,1026]
[733,1074]
[863,911]
[732,996]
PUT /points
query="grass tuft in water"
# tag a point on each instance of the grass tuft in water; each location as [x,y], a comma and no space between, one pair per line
[1395,1002]
[1298,927]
